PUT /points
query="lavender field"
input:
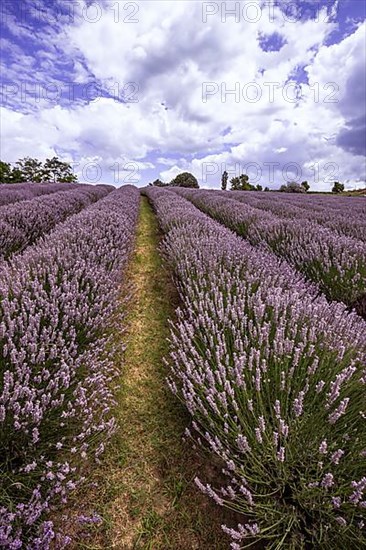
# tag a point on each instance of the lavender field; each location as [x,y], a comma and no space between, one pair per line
[56,300]
[271,371]
[266,358]
[183,275]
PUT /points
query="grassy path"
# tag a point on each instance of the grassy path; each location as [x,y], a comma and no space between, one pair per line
[144,488]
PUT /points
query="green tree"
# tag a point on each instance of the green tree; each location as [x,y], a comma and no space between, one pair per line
[235,184]
[241,183]
[259,187]
[292,187]
[338,187]
[5,172]
[55,170]
[17,176]
[306,186]
[31,169]
[224,178]
[8,174]
[266,189]
[185,180]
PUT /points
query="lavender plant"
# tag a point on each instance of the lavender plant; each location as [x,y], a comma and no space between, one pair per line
[274,377]
[345,217]
[21,224]
[56,377]
[336,263]
[11,193]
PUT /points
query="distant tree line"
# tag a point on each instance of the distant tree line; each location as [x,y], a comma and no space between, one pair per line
[182,180]
[33,170]
[241,183]
[338,187]
[294,187]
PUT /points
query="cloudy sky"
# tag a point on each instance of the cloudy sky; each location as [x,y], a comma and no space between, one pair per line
[132,91]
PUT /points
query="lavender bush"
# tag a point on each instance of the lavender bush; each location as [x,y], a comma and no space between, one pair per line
[343,215]
[56,379]
[274,379]
[11,193]
[336,263]
[21,224]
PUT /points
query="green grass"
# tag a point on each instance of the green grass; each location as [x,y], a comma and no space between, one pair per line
[144,489]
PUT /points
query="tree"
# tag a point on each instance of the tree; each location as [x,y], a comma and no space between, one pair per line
[235,184]
[292,187]
[306,186]
[266,189]
[9,174]
[17,176]
[338,187]
[224,178]
[185,180]
[259,187]
[55,170]
[5,172]
[31,169]
[241,183]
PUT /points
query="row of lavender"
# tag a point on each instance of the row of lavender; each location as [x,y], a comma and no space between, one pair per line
[22,223]
[336,263]
[334,202]
[11,193]
[57,381]
[274,379]
[343,215]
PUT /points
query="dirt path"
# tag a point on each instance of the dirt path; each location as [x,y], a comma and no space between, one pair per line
[144,492]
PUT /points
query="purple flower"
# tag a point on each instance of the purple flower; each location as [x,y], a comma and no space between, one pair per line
[257,348]
[58,380]
[323,447]
[327,481]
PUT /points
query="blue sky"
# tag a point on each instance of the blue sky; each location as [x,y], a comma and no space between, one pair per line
[132,91]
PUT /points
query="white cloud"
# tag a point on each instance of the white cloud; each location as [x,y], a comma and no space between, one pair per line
[170,54]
